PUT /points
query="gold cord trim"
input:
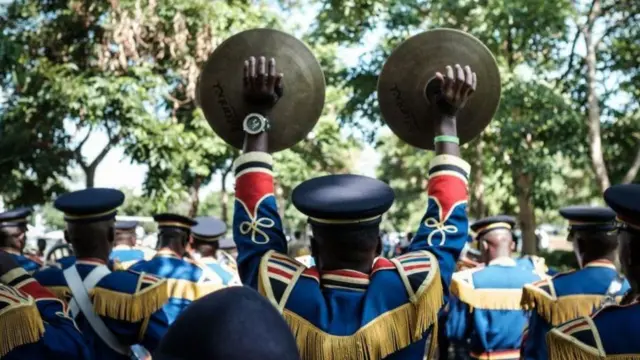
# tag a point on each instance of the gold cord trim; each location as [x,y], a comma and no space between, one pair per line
[68,216]
[342,221]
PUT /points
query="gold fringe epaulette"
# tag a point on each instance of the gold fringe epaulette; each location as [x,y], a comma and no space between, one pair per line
[487,299]
[559,310]
[130,307]
[390,332]
[21,324]
[566,347]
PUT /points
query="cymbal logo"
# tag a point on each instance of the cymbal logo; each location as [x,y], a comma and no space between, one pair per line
[401,105]
[227,109]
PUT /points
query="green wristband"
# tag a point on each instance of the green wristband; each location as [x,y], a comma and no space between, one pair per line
[446,138]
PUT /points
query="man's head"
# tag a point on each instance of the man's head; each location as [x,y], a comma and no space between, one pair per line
[495,236]
[591,230]
[345,213]
[126,233]
[90,217]
[174,231]
[625,201]
[13,228]
[235,323]
[206,235]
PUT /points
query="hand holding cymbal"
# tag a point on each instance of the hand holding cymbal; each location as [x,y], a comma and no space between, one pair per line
[232,86]
[418,84]
[449,93]
[262,87]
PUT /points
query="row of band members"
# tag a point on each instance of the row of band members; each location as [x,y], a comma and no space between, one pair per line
[491,293]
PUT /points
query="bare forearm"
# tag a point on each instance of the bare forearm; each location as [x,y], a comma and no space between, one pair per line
[257,142]
[447,126]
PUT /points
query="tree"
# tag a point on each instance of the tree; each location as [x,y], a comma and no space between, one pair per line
[610,34]
[60,91]
[175,39]
[519,33]
[531,136]
[135,205]
[53,218]
[403,168]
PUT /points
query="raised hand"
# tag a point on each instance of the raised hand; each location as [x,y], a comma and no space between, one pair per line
[453,89]
[262,86]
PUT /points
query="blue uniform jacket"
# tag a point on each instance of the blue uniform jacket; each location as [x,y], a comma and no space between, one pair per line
[30,263]
[126,301]
[187,281]
[611,333]
[126,255]
[34,324]
[565,297]
[491,298]
[344,314]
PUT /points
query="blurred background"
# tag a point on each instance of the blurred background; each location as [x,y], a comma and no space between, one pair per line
[101,94]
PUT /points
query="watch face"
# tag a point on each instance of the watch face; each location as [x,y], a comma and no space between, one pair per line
[254,123]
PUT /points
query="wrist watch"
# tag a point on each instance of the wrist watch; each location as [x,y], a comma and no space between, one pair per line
[255,123]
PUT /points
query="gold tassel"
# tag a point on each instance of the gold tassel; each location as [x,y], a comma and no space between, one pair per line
[130,307]
[61,292]
[565,347]
[21,325]
[488,299]
[390,332]
[561,310]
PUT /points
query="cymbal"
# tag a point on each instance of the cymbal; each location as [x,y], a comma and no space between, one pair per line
[219,90]
[404,76]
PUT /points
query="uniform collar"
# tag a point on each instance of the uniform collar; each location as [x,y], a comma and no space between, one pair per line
[10,250]
[503,261]
[601,263]
[208,260]
[90,261]
[122,247]
[345,279]
[168,253]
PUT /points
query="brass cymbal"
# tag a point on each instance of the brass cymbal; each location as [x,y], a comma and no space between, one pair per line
[219,90]
[404,76]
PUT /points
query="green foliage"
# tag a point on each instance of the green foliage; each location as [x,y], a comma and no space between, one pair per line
[136,205]
[404,168]
[534,129]
[53,218]
[560,260]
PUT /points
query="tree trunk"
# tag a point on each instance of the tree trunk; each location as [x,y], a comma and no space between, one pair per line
[593,103]
[527,217]
[90,169]
[633,170]
[195,196]
[478,207]
[89,176]
[224,199]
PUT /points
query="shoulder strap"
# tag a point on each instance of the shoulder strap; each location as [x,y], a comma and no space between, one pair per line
[210,274]
[83,302]
[97,274]
[277,277]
